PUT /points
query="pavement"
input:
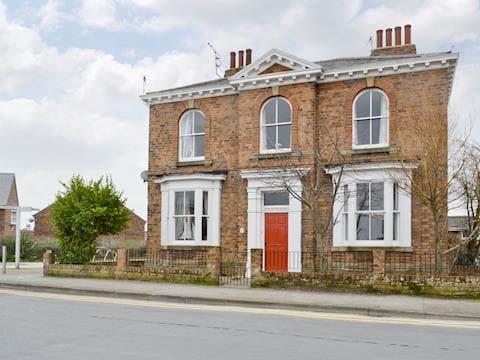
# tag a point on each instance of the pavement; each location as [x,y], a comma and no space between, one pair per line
[30,278]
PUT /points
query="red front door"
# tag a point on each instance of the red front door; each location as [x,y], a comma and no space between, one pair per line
[276,242]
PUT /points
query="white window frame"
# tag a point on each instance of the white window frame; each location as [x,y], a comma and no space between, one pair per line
[389,174]
[371,117]
[13,217]
[194,135]
[263,126]
[198,183]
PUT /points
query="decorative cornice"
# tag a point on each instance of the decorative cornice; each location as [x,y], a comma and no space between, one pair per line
[379,68]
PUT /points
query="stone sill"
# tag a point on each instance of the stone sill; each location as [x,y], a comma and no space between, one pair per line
[371,248]
[188,247]
[278,156]
[178,164]
[352,152]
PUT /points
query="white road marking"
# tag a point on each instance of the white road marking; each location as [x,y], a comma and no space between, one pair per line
[249,310]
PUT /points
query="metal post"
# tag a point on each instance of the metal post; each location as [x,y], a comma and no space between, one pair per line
[17,239]
[4,259]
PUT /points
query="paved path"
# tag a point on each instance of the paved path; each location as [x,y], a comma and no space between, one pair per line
[31,278]
[59,326]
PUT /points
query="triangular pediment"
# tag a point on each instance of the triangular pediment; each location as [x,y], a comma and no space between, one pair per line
[274,61]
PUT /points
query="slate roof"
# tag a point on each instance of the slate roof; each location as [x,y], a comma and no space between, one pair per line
[6,182]
[327,65]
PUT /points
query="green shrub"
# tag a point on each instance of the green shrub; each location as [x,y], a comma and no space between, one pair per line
[29,250]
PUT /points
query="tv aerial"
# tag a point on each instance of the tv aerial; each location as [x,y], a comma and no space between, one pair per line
[218,62]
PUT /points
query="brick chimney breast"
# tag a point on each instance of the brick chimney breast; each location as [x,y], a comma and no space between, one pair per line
[399,48]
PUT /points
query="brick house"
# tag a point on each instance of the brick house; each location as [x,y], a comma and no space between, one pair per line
[8,197]
[215,147]
[135,230]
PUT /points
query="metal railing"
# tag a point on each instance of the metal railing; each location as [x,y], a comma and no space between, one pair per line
[171,260]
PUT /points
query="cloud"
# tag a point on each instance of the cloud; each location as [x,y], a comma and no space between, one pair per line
[99,14]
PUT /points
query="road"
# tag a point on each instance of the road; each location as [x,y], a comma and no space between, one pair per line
[55,326]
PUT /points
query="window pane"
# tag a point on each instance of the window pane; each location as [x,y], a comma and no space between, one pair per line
[204,228]
[189,230]
[362,105]
[272,198]
[345,226]
[363,132]
[187,146]
[377,196]
[199,145]
[362,196]
[205,203]
[345,198]
[199,122]
[363,229]
[395,196]
[377,227]
[186,123]
[179,208]
[189,202]
[377,99]
[179,228]
[375,131]
[284,112]
[284,137]
[270,137]
[269,112]
[395,225]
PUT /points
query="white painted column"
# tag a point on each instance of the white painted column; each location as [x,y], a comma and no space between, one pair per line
[18,241]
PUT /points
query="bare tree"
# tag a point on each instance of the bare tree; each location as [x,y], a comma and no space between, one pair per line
[435,150]
[317,193]
[468,190]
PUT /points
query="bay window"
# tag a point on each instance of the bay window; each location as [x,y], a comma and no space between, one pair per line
[190,212]
[372,208]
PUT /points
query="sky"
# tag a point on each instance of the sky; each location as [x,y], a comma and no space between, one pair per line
[71,71]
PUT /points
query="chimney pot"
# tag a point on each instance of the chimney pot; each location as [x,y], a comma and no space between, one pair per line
[248,59]
[232,60]
[398,36]
[379,38]
[408,34]
[388,40]
[240,58]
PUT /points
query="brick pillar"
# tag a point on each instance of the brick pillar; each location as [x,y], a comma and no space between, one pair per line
[122,260]
[256,257]
[213,261]
[48,258]
[379,261]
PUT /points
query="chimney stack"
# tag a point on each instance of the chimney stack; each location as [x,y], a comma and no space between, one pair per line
[240,58]
[232,60]
[398,48]
[244,59]
[398,35]
[248,60]
[379,38]
[408,34]
[388,33]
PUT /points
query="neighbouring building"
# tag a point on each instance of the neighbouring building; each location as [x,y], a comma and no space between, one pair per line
[134,232]
[8,197]
[218,148]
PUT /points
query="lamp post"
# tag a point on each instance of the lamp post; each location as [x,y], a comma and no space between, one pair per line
[18,210]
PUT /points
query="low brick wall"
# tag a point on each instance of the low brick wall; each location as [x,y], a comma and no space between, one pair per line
[123,269]
[439,285]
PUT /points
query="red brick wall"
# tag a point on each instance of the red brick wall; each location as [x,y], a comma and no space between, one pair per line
[232,142]
[6,227]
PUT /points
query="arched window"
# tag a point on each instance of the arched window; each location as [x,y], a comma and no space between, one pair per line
[192,136]
[370,119]
[276,125]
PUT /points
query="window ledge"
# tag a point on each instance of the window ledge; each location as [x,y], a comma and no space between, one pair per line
[370,248]
[178,164]
[278,155]
[188,247]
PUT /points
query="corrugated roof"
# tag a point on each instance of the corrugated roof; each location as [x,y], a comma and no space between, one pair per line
[6,182]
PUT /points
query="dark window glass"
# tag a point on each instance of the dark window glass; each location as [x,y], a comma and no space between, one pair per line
[284,112]
[362,105]
[363,132]
[269,112]
[199,145]
[377,226]
[377,103]
[363,198]
[377,196]
[270,137]
[284,137]
[273,198]
[363,227]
